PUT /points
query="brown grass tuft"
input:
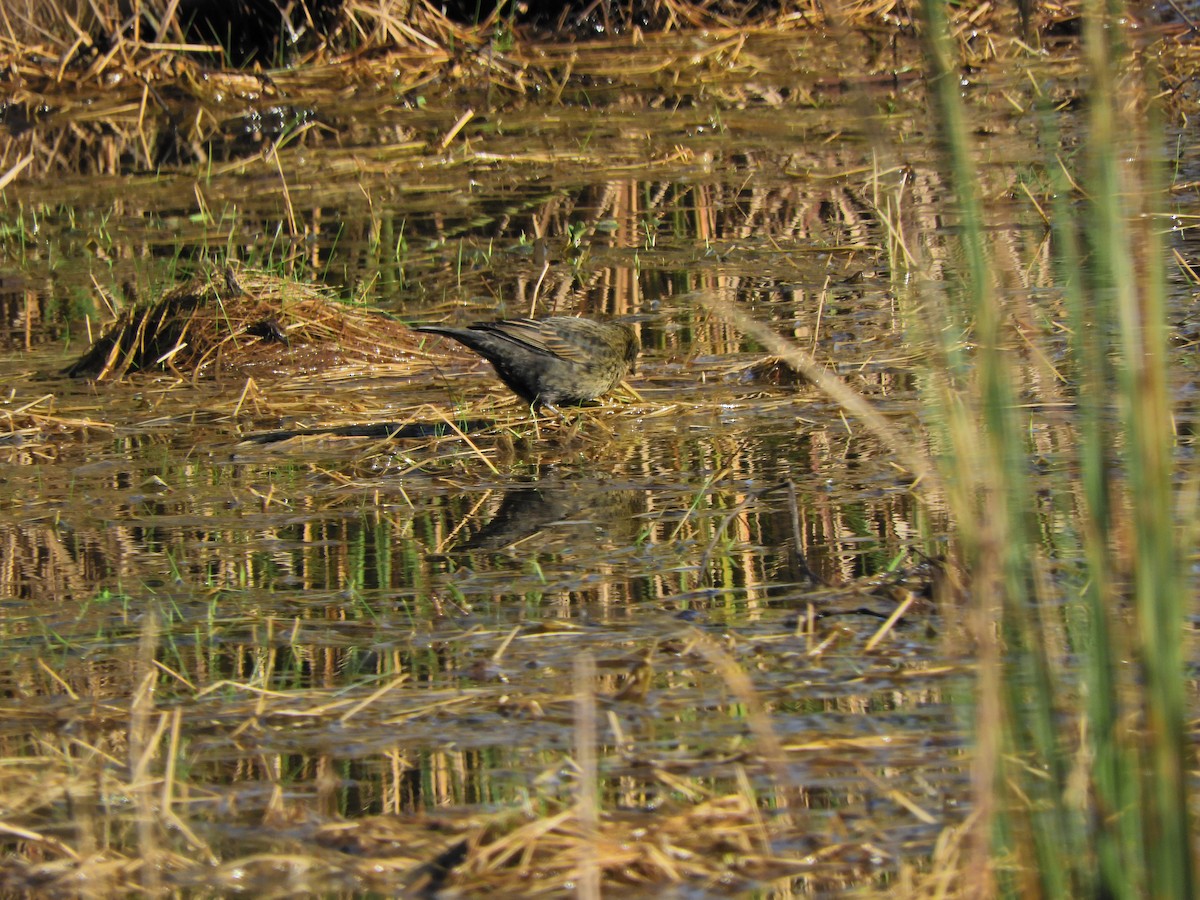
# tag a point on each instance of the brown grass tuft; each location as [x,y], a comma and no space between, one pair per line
[234,317]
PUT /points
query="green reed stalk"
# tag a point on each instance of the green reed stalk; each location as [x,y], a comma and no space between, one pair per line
[994,512]
[1137,284]
[1090,315]
[1127,834]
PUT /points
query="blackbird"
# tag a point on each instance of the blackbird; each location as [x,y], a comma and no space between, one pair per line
[552,361]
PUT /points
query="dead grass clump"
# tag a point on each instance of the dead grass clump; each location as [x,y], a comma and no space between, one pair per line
[231,317]
[721,840]
[64,38]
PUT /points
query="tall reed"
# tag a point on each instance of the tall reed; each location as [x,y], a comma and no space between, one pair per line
[1080,771]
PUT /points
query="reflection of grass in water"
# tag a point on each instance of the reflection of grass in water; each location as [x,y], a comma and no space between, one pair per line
[261,699]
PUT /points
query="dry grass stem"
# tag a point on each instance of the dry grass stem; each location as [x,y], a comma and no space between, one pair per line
[900,443]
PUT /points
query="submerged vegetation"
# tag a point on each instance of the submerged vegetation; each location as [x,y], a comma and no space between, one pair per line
[291,604]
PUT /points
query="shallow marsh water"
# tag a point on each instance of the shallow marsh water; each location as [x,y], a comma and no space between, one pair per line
[325,663]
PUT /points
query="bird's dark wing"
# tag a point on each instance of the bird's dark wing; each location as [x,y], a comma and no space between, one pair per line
[541,337]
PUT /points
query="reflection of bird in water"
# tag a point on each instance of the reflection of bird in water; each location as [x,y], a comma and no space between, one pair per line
[559,360]
[523,513]
[556,507]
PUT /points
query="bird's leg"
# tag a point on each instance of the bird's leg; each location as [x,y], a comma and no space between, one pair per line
[569,425]
[534,413]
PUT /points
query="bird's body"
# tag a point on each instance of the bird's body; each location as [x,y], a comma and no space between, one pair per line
[558,360]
